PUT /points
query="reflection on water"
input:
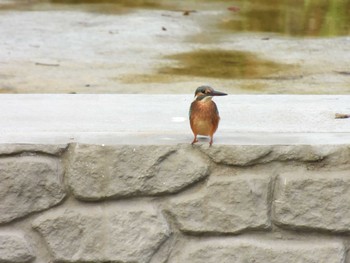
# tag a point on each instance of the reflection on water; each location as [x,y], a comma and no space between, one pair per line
[291,17]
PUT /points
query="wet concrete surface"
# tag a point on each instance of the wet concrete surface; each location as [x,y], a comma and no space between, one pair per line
[46,48]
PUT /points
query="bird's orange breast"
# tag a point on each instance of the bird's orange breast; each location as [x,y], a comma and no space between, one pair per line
[204,117]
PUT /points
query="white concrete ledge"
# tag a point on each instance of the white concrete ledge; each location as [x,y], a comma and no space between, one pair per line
[163,119]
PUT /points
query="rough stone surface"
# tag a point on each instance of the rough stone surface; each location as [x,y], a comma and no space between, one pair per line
[29,184]
[229,204]
[103,234]
[237,155]
[225,203]
[316,200]
[263,251]
[245,155]
[98,172]
[14,249]
[53,149]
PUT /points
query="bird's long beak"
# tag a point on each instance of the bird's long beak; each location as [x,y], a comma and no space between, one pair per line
[217,93]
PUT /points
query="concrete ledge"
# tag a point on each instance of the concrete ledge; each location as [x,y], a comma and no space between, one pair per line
[163,119]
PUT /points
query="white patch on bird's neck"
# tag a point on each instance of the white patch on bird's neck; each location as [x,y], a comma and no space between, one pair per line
[208,98]
[205,99]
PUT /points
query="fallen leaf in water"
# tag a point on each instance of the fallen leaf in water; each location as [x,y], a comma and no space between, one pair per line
[46,64]
[342,116]
[188,12]
[343,72]
[233,8]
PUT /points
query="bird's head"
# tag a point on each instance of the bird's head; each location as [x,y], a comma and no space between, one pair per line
[206,92]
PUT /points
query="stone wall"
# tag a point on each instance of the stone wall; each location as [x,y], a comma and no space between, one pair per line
[174,203]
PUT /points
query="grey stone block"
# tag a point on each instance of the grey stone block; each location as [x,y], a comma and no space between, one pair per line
[245,155]
[240,155]
[29,184]
[229,204]
[261,251]
[99,172]
[34,149]
[103,234]
[313,200]
[14,249]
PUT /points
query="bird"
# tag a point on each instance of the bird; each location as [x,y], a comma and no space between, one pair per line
[204,115]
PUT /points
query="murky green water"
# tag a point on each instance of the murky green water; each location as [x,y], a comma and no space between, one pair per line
[221,64]
[315,18]
[114,7]
[291,17]
[213,63]
[219,19]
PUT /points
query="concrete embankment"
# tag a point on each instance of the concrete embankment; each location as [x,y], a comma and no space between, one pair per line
[113,178]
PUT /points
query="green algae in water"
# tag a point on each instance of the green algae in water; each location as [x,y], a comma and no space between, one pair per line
[110,6]
[124,3]
[312,18]
[95,6]
[223,64]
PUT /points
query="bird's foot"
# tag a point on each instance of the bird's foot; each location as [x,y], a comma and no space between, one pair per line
[194,141]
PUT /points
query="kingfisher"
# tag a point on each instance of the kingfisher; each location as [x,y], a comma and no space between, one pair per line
[204,114]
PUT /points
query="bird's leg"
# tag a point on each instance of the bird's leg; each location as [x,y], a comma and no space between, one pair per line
[211,140]
[195,139]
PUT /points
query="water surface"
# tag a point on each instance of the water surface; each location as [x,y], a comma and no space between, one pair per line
[300,18]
